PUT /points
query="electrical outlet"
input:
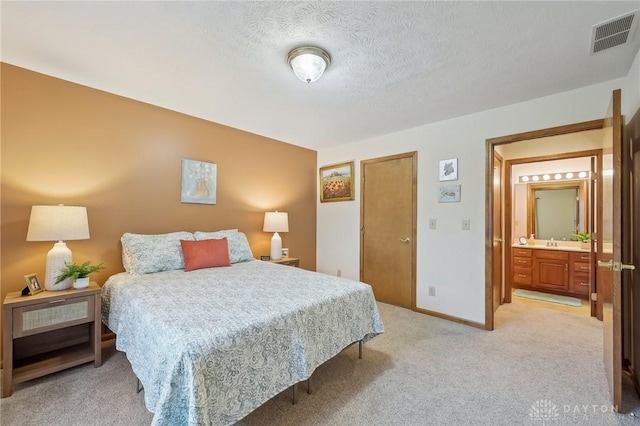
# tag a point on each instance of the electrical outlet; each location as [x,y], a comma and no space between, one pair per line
[339,273]
[432,224]
[432,290]
[466,224]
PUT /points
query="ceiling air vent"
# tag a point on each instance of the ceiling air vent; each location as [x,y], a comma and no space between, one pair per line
[613,32]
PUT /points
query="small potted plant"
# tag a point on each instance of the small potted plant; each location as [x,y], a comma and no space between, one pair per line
[584,239]
[79,273]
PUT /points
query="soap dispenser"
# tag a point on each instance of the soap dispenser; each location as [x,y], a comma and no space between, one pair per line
[532,241]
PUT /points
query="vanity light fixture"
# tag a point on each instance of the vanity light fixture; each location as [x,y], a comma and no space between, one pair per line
[556,176]
[308,62]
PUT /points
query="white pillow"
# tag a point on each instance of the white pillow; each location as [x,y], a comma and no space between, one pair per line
[239,249]
[147,253]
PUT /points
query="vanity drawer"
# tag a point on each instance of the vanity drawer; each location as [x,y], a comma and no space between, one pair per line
[580,257]
[552,254]
[520,252]
[522,276]
[581,267]
[580,284]
[525,262]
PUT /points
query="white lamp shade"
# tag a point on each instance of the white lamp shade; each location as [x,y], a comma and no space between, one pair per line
[276,222]
[58,223]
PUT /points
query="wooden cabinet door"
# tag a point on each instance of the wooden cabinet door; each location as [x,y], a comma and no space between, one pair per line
[552,274]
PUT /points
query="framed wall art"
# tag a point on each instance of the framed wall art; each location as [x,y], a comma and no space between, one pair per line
[198,182]
[449,194]
[336,183]
[448,169]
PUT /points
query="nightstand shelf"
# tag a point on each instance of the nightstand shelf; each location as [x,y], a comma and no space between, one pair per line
[49,332]
[288,261]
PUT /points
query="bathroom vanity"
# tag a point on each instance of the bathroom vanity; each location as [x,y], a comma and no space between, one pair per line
[559,270]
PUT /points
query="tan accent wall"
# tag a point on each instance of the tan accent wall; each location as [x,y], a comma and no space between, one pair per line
[70,144]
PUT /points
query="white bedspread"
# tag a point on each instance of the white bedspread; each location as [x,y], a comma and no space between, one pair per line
[212,345]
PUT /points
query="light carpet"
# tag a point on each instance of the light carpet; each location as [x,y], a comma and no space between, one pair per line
[422,371]
[548,297]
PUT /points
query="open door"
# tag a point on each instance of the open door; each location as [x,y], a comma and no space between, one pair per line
[609,245]
[498,240]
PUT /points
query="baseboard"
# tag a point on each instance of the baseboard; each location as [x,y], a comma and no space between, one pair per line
[451,318]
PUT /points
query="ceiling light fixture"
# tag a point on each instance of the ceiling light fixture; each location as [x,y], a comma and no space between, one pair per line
[308,63]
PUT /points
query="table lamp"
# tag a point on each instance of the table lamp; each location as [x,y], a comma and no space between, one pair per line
[276,222]
[57,223]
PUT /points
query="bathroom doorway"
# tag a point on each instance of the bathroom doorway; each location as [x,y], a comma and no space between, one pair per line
[558,143]
[553,203]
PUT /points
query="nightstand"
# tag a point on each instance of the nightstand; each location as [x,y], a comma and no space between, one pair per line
[48,332]
[289,261]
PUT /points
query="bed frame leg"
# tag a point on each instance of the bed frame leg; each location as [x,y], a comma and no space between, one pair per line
[360,349]
[295,394]
[139,386]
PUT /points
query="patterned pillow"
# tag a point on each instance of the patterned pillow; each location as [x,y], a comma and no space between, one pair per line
[144,254]
[239,249]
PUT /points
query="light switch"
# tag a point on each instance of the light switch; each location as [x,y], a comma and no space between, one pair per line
[432,224]
[466,224]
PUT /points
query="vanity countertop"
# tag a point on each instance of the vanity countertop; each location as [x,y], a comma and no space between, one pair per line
[545,247]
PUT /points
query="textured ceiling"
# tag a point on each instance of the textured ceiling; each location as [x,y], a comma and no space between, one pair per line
[395,65]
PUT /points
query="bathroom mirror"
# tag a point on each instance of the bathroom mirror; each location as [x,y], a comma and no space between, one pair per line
[557,210]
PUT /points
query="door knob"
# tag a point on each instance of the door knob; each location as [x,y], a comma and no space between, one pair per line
[608,265]
[615,266]
[405,240]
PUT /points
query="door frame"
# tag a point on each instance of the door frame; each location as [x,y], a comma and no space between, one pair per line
[506,178]
[413,155]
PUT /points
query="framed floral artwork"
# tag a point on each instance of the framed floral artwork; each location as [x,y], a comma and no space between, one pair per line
[449,194]
[336,182]
[198,182]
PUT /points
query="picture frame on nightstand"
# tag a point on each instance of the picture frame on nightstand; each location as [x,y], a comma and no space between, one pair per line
[33,284]
[285,252]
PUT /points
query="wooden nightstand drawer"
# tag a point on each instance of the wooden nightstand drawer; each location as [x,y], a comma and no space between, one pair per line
[58,313]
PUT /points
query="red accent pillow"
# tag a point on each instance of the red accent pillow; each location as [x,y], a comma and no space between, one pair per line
[205,254]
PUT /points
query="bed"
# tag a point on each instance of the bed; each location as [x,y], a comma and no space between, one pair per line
[212,344]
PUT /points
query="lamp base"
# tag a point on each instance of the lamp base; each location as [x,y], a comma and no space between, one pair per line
[276,247]
[56,259]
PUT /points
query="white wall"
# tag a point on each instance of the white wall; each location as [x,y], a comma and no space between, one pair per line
[447,257]
[631,92]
